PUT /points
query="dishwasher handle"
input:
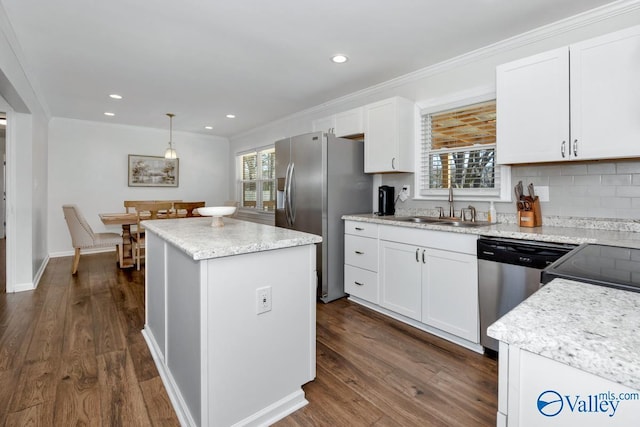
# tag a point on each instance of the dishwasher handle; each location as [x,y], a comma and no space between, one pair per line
[521,252]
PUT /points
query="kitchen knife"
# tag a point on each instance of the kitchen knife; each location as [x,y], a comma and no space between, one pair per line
[532,193]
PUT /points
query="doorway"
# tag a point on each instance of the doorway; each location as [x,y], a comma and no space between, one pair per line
[3,202]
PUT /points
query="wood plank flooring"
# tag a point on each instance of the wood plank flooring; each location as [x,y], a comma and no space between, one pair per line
[71,353]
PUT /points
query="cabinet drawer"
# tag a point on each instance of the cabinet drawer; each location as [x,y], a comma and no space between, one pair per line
[361,283]
[361,252]
[358,228]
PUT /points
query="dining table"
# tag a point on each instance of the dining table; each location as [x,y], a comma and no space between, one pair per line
[125,219]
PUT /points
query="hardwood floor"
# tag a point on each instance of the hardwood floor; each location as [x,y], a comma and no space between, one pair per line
[71,353]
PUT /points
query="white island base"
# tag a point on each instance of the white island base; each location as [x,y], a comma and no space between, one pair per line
[222,363]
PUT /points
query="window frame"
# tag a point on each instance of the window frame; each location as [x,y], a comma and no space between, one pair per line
[450,102]
[259,208]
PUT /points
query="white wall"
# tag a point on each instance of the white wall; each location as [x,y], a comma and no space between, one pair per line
[88,164]
[26,182]
[467,72]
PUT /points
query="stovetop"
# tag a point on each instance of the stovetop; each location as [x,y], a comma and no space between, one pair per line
[604,265]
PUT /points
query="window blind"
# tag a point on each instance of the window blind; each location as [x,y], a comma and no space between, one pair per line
[458,149]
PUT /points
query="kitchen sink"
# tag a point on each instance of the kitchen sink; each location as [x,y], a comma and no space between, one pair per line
[449,221]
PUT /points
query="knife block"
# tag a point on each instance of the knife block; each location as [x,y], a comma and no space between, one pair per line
[530,218]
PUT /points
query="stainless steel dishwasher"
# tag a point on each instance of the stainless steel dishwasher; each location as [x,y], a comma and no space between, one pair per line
[509,272]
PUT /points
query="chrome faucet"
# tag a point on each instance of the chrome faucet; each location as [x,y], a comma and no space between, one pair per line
[451,209]
[473,213]
[440,211]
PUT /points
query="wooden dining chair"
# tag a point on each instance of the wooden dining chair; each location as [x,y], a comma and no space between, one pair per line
[83,237]
[145,211]
[189,207]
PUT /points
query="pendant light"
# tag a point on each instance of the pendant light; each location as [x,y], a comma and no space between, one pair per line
[170,153]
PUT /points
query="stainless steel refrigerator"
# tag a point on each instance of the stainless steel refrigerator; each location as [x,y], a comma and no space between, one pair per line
[320,178]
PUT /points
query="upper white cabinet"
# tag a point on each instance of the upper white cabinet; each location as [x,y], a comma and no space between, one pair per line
[389,136]
[575,103]
[347,123]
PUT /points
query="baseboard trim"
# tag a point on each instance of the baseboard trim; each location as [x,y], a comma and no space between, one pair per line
[179,405]
[276,411]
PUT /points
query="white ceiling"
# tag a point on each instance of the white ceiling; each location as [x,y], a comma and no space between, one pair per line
[258,59]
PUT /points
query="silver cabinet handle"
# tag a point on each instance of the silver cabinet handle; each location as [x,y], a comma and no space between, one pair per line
[358,283]
[562,148]
[423,261]
[417,251]
[575,148]
[393,163]
[359,229]
[359,252]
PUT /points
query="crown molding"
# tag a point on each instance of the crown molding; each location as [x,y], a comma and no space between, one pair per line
[554,29]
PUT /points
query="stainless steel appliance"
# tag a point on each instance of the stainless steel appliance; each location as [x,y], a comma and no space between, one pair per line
[604,265]
[509,272]
[386,202]
[320,178]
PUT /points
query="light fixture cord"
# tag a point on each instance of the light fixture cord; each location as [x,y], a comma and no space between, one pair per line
[170,130]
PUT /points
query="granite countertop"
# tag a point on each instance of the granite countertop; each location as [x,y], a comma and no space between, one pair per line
[196,237]
[592,328]
[557,234]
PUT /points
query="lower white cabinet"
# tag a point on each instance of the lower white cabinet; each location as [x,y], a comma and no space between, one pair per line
[401,278]
[427,277]
[361,261]
[450,293]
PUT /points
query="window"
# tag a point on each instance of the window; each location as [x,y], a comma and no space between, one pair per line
[257,179]
[458,150]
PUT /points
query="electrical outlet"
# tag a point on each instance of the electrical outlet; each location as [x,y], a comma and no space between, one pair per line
[263,300]
[406,189]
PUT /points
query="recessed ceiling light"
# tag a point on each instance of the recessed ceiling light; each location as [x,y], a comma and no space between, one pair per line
[339,58]
[109,114]
[115,96]
[231,116]
[208,127]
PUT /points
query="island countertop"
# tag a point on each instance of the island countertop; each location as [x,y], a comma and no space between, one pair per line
[196,237]
[589,327]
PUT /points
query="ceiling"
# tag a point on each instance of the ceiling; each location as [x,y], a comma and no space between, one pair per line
[260,60]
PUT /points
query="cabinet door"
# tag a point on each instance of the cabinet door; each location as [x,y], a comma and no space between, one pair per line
[450,293]
[350,122]
[400,284]
[532,102]
[325,124]
[605,96]
[381,143]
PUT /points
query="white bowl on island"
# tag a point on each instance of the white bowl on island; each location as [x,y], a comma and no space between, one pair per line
[217,212]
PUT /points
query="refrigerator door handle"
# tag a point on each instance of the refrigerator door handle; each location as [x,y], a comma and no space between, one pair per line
[286,195]
[292,209]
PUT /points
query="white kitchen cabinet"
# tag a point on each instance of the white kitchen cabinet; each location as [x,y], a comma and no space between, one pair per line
[575,103]
[389,136]
[401,278]
[450,292]
[342,124]
[361,260]
[532,102]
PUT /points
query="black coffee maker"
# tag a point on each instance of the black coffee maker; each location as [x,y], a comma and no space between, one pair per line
[386,205]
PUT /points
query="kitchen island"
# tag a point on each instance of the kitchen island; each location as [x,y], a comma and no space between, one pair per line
[570,355]
[230,318]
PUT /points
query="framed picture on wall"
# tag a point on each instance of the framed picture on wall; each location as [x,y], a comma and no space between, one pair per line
[152,171]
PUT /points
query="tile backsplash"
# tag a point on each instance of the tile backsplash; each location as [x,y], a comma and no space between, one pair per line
[598,189]
[594,189]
